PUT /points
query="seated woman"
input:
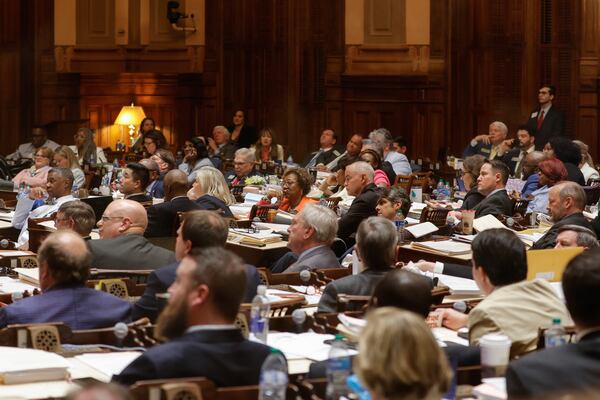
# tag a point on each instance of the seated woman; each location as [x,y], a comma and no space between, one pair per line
[393,204]
[587,163]
[164,159]
[65,158]
[85,150]
[296,185]
[470,173]
[569,153]
[210,191]
[551,172]
[399,357]
[37,175]
[195,156]
[153,141]
[266,149]
[373,158]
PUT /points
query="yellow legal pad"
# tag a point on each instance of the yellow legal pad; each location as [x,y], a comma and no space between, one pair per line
[549,264]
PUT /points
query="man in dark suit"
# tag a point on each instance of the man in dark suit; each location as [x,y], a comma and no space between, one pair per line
[243,167]
[198,323]
[566,202]
[199,229]
[155,188]
[63,261]
[492,183]
[488,145]
[122,244]
[546,121]
[328,151]
[162,218]
[376,241]
[311,233]
[572,369]
[134,180]
[359,183]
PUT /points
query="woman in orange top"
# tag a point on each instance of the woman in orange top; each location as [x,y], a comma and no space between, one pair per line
[296,185]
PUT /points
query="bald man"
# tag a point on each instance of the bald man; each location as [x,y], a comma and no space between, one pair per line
[122,244]
[64,261]
[162,218]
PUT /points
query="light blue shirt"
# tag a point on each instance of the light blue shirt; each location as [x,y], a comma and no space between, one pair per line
[540,200]
[399,162]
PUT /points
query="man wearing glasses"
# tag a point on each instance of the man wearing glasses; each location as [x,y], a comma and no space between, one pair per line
[243,167]
[39,138]
[122,244]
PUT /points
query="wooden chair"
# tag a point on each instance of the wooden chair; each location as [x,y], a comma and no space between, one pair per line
[135,276]
[520,207]
[436,216]
[404,181]
[38,232]
[332,202]
[261,211]
[422,179]
[346,302]
[7,298]
[237,192]
[123,288]
[593,182]
[592,194]
[45,336]
[330,274]
[289,278]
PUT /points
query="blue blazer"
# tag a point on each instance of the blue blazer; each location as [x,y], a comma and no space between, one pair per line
[77,306]
[208,202]
[221,355]
[531,184]
[159,281]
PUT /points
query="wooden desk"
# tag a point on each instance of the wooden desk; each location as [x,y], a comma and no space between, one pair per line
[406,253]
[258,256]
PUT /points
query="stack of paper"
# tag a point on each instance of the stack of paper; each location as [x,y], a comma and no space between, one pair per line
[9,285]
[109,364]
[259,238]
[19,365]
[458,286]
[29,275]
[421,230]
[448,247]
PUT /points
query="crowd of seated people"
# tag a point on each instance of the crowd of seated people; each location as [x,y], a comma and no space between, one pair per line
[204,284]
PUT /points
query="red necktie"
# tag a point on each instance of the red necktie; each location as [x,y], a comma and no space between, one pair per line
[540,120]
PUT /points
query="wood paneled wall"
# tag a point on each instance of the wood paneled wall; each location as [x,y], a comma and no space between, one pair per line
[286,63]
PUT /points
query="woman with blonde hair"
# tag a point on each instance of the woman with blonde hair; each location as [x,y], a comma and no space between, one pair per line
[210,191]
[399,358]
[65,158]
[587,163]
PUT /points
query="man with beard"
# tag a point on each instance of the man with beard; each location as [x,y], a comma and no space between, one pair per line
[566,202]
[198,323]
[515,157]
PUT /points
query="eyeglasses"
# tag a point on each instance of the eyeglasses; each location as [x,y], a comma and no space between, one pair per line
[289,183]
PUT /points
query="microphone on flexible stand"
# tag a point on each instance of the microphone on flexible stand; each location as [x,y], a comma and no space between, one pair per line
[460,306]
[6,244]
[299,317]
[305,276]
[120,330]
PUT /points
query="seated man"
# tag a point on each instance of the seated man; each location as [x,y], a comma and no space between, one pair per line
[572,369]
[134,181]
[199,229]
[488,145]
[63,260]
[512,306]
[491,183]
[515,157]
[383,138]
[566,202]
[76,216]
[58,188]
[576,236]
[122,244]
[155,188]
[376,241]
[328,151]
[162,218]
[529,172]
[243,165]
[311,233]
[198,323]
[353,148]
[219,146]
[39,138]
[359,183]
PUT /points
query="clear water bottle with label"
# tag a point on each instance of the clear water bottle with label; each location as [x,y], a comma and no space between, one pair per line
[555,335]
[339,368]
[273,377]
[259,315]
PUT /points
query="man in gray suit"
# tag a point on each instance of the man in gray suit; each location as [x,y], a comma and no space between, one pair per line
[376,241]
[122,244]
[311,233]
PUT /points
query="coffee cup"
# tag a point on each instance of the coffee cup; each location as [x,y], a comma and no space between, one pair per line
[495,353]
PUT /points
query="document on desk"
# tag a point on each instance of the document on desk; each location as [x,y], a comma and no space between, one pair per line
[457,285]
[448,247]
[421,230]
[447,335]
[109,364]
[29,275]
[9,285]
[487,222]
[7,216]
[260,238]
[15,253]
[19,365]
[308,345]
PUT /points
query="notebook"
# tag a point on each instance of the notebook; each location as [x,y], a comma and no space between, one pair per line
[549,264]
[19,365]
[448,247]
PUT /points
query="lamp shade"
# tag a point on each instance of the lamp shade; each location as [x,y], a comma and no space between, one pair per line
[130,115]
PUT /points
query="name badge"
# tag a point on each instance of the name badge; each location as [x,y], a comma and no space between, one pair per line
[484,150]
[517,159]
[534,114]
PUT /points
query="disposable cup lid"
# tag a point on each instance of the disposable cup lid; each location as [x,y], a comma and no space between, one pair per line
[493,339]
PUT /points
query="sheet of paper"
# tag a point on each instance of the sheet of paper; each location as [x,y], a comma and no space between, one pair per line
[444,246]
[417,207]
[109,364]
[448,335]
[487,222]
[29,275]
[304,345]
[7,216]
[423,229]
[9,285]
[15,253]
[14,359]
[457,285]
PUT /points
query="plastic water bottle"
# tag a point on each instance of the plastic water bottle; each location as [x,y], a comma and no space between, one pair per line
[555,335]
[339,368]
[290,160]
[400,231]
[259,314]
[273,377]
